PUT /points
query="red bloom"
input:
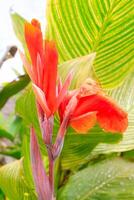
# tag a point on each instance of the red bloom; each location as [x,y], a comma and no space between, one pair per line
[94,106]
[43,71]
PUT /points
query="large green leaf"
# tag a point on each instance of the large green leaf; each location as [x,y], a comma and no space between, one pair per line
[13,183]
[107,180]
[77,147]
[106,27]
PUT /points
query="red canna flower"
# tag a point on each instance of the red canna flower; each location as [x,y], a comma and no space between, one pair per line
[93,106]
[43,70]
[81,108]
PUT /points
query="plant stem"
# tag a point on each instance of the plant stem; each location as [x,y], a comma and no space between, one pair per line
[51,172]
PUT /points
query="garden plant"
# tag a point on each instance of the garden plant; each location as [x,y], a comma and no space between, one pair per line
[72,130]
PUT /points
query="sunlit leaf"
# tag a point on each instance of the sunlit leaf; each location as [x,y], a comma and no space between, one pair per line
[18,26]
[105,27]
[13,183]
[80,67]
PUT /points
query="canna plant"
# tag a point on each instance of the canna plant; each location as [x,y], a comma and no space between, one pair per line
[88,46]
[80,108]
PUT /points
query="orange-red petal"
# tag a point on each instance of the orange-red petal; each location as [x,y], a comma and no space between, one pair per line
[40,96]
[27,66]
[34,40]
[84,123]
[109,115]
[50,75]
[63,90]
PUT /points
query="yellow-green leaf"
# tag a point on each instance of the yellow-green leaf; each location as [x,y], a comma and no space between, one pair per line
[106,27]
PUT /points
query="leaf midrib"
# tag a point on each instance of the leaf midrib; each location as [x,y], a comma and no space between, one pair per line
[103,27]
[102,185]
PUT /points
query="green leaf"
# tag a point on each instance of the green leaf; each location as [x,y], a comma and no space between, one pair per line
[6,134]
[26,161]
[17,127]
[12,88]
[81,68]
[1,195]
[105,27]
[129,155]
[78,147]
[107,180]
[18,26]
[11,151]
[13,183]
[26,108]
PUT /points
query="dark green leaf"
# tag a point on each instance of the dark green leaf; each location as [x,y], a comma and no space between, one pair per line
[13,152]
[12,88]
[2,195]
[5,134]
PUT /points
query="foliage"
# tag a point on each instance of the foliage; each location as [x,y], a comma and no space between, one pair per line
[110,179]
[12,88]
[105,27]
[11,176]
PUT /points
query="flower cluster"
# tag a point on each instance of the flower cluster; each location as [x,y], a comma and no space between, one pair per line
[81,108]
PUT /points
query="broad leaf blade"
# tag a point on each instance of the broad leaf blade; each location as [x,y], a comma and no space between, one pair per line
[110,179]
[81,68]
[13,183]
[105,27]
